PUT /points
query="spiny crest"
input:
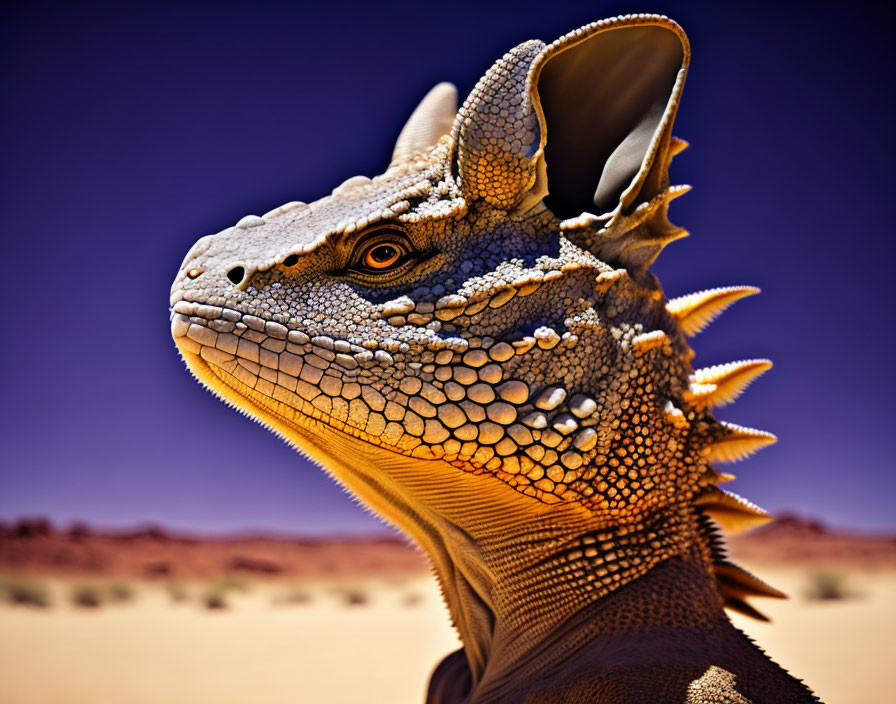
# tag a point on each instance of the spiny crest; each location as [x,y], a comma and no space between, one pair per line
[743,607]
[732,442]
[723,383]
[729,442]
[734,583]
[697,310]
[509,160]
[734,513]
[711,475]
[724,442]
[721,509]
[741,583]
[731,512]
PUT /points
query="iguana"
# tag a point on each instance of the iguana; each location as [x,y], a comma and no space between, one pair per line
[474,344]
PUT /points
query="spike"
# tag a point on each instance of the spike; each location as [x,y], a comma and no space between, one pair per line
[663,198]
[646,210]
[744,608]
[734,513]
[722,383]
[677,146]
[697,310]
[712,476]
[736,442]
[673,192]
[739,583]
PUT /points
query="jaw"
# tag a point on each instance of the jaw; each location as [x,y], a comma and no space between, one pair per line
[406,491]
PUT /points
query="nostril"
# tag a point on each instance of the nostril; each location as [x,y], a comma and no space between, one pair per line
[291,260]
[236,275]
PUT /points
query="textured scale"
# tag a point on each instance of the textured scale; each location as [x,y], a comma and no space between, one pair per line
[474,344]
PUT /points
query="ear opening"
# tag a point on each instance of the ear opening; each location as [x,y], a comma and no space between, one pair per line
[607,97]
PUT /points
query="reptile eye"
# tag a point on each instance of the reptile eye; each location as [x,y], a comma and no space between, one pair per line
[382,253]
[381,256]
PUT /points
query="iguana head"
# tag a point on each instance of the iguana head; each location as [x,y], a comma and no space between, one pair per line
[474,338]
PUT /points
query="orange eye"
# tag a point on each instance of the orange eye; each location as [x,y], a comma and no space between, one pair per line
[382,255]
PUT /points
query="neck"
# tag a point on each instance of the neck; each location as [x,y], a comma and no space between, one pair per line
[530,585]
[513,570]
[564,607]
[653,639]
[516,584]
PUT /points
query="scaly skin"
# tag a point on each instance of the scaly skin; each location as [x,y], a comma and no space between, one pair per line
[494,369]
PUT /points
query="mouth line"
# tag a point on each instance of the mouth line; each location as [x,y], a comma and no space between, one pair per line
[269,350]
[227,320]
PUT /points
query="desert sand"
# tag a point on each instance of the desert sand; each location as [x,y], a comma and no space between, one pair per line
[150,652]
[356,638]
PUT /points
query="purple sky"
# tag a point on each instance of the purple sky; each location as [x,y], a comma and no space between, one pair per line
[130,130]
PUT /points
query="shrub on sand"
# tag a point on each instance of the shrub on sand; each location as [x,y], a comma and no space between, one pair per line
[353,595]
[88,596]
[19,590]
[827,586]
[215,599]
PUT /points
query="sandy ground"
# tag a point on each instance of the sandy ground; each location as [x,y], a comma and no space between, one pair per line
[843,649]
[152,651]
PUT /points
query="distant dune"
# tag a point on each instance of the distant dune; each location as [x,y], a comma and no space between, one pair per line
[35,547]
[792,541]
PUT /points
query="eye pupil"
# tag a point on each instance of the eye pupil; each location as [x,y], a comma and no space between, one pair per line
[382,256]
[382,253]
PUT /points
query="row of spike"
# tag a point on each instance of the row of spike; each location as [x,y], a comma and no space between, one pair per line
[716,386]
[723,383]
[735,584]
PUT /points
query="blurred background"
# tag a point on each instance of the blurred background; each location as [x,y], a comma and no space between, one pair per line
[131,129]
